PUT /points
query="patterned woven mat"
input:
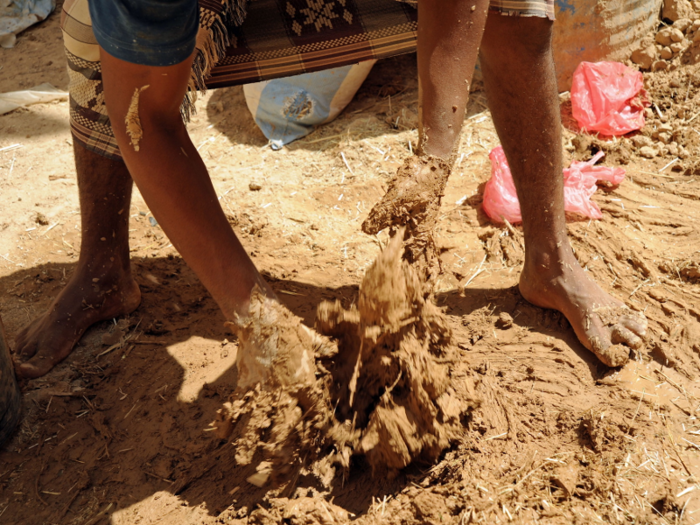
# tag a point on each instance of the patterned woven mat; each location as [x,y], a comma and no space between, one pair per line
[239,44]
[287,37]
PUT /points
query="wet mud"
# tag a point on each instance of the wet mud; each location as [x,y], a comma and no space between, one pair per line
[413,201]
[382,385]
[133,120]
[119,434]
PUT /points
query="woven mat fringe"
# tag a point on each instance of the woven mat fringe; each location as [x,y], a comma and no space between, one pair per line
[210,49]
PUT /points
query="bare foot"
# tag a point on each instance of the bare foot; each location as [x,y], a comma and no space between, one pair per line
[602,323]
[50,338]
[413,197]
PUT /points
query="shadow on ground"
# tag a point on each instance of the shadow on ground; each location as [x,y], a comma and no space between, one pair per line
[114,427]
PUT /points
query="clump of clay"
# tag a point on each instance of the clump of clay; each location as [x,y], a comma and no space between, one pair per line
[413,200]
[395,350]
[133,121]
[299,511]
[383,385]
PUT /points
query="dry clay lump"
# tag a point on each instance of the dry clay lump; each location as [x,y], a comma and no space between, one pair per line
[674,10]
[644,57]
[383,384]
[668,44]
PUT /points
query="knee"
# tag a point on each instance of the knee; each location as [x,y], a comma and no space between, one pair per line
[520,38]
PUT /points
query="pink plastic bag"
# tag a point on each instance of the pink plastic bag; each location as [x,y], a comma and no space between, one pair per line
[608,98]
[501,201]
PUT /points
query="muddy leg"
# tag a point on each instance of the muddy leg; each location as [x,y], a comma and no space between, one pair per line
[101,286]
[521,86]
[449,33]
[143,104]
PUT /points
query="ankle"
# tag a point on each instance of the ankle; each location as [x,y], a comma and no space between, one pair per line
[103,265]
[442,150]
[548,259]
[237,308]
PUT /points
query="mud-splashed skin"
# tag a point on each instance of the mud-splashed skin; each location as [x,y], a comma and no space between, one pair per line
[133,121]
[520,81]
[413,202]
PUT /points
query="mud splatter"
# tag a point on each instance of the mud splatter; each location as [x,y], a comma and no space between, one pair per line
[300,511]
[274,347]
[298,106]
[133,122]
[405,402]
[413,200]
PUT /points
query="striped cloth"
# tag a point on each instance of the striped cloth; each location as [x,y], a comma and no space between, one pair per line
[243,41]
[278,38]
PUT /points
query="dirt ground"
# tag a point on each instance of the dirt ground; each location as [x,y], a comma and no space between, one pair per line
[119,432]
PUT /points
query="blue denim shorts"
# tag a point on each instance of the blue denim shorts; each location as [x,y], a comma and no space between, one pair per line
[146,32]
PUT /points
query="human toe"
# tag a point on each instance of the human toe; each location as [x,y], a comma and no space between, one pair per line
[635,323]
[613,355]
[622,335]
[24,349]
[35,367]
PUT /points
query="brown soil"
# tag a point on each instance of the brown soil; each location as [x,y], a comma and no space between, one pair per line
[120,432]
[392,388]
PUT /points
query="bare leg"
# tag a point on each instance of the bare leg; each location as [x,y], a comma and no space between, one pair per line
[449,33]
[176,186]
[101,286]
[521,86]
[174,181]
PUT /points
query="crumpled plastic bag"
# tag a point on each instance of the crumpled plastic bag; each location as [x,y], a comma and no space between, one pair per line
[40,94]
[501,201]
[18,15]
[608,98]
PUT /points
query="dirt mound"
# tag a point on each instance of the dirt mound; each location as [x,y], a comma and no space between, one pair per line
[383,387]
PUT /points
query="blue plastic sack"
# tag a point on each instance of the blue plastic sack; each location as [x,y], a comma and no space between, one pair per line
[18,15]
[287,109]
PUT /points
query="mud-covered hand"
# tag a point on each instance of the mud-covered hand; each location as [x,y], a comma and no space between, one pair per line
[274,347]
[413,196]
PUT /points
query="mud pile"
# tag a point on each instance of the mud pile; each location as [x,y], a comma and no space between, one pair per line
[382,384]
[670,60]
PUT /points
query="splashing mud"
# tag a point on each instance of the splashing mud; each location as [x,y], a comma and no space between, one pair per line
[413,200]
[383,385]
